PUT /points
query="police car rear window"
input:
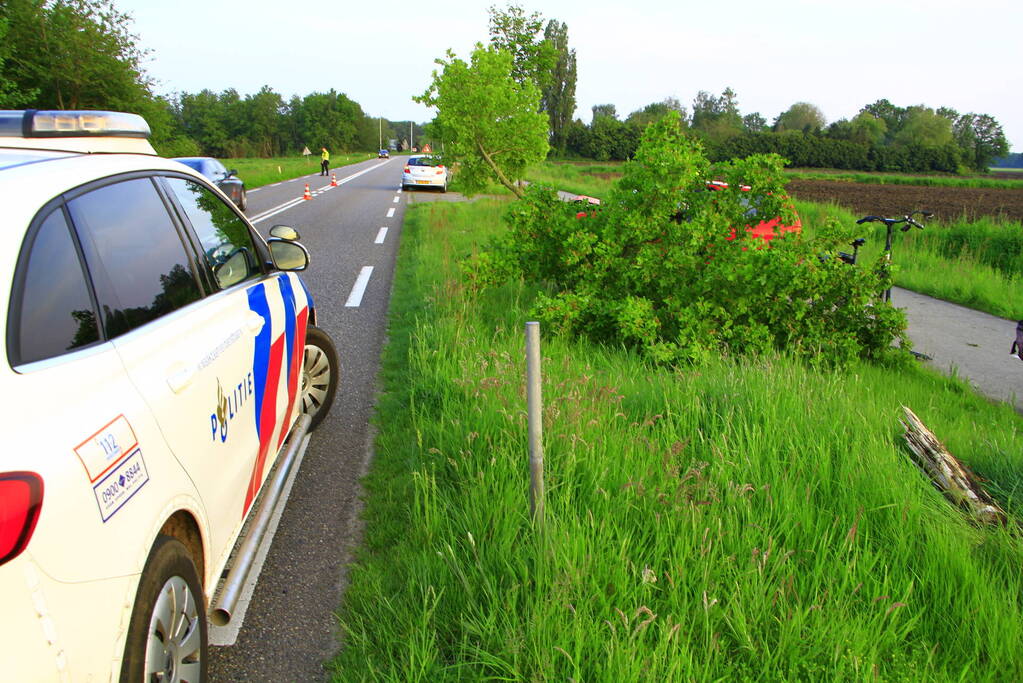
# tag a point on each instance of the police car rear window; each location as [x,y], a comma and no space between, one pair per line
[56,313]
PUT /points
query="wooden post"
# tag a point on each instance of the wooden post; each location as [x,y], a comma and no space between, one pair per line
[534,404]
[959,485]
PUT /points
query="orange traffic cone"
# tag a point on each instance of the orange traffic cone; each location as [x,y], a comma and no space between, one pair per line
[307,194]
[333,180]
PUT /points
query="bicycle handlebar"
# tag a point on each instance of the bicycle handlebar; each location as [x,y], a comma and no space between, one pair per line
[907,219]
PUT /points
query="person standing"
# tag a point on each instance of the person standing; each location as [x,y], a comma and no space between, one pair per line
[324,161]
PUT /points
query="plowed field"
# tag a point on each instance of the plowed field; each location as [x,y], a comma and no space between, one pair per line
[947,203]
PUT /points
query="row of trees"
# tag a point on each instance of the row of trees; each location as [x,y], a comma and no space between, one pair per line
[265,125]
[882,136]
[81,54]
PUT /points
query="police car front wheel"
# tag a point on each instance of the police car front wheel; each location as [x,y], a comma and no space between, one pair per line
[320,374]
[167,636]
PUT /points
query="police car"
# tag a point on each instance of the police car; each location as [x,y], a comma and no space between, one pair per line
[163,369]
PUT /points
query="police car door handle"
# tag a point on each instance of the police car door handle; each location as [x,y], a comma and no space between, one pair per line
[255,323]
[180,378]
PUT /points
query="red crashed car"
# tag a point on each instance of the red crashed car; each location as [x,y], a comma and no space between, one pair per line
[766,228]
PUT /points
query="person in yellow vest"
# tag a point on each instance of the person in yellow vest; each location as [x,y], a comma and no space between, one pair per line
[324,161]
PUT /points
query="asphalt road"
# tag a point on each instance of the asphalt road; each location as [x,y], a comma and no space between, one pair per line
[289,627]
[972,344]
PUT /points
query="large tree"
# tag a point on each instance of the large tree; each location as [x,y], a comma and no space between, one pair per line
[801,116]
[717,118]
[980,136]
[557,96]
[520,34]
[11,94]
[655,111]
[490,121]
[924,128]
[76,54]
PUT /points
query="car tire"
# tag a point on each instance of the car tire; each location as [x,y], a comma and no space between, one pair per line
[320,375]
[168,628]
[444,187]
[244,203]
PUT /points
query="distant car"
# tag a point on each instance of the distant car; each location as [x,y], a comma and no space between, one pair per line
[226,180]
[423,170]
[383,154]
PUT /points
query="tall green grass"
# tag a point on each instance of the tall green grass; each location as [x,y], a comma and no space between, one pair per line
[973,263]
[257,172]
[748,520]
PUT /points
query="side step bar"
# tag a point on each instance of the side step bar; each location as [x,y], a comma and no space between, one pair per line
[224,605]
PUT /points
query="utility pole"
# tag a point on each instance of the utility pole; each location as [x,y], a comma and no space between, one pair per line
[380,140]
[410,142]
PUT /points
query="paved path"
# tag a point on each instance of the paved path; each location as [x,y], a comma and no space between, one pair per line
[975,343]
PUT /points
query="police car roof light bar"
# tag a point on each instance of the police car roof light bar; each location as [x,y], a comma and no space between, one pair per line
[32,123]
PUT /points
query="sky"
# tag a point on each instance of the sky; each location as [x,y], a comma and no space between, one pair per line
[772,53]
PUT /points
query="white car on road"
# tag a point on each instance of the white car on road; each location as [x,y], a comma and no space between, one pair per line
[162,361]
[424,170]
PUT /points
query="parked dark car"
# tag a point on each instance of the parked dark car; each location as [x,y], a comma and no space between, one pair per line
[227,180]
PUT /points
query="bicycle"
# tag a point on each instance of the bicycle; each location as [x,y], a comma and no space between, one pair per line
[907,222]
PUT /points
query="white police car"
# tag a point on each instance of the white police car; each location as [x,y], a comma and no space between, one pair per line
[162,359]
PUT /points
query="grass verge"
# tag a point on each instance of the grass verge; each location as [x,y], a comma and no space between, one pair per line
[746,520]
[258,172]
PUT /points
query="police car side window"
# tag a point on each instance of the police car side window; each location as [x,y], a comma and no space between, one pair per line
[134,252]
[225,238]
[56,314]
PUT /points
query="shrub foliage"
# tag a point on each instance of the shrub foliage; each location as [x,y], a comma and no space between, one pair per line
[653,267]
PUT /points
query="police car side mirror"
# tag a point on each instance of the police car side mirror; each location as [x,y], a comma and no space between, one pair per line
[288,255]
[284,232]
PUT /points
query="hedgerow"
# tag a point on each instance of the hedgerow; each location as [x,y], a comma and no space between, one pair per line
[653,267]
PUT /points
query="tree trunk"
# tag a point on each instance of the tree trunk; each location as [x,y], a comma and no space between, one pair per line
[951,477]
[500,175]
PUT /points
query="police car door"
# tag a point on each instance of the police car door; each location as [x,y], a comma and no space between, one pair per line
[256,357]
[186,347]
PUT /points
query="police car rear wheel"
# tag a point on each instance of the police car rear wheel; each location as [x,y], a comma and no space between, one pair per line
[319,375]
[167,636]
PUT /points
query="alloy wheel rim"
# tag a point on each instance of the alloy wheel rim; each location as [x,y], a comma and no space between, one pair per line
[174,649]
[315,379]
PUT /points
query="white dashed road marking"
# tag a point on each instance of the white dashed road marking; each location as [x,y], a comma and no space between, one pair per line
[359,288]
[397,199]
[289,204]
[390,212]
[380,236]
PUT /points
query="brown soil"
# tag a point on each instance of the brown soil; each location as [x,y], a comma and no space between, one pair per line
[947,203]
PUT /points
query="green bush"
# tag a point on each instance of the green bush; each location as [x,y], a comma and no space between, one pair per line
[654,268]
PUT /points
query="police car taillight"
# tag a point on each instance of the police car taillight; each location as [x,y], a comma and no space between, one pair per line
[21,499]
[33,123]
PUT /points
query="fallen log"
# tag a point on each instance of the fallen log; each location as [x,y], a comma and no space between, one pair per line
[951,477]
